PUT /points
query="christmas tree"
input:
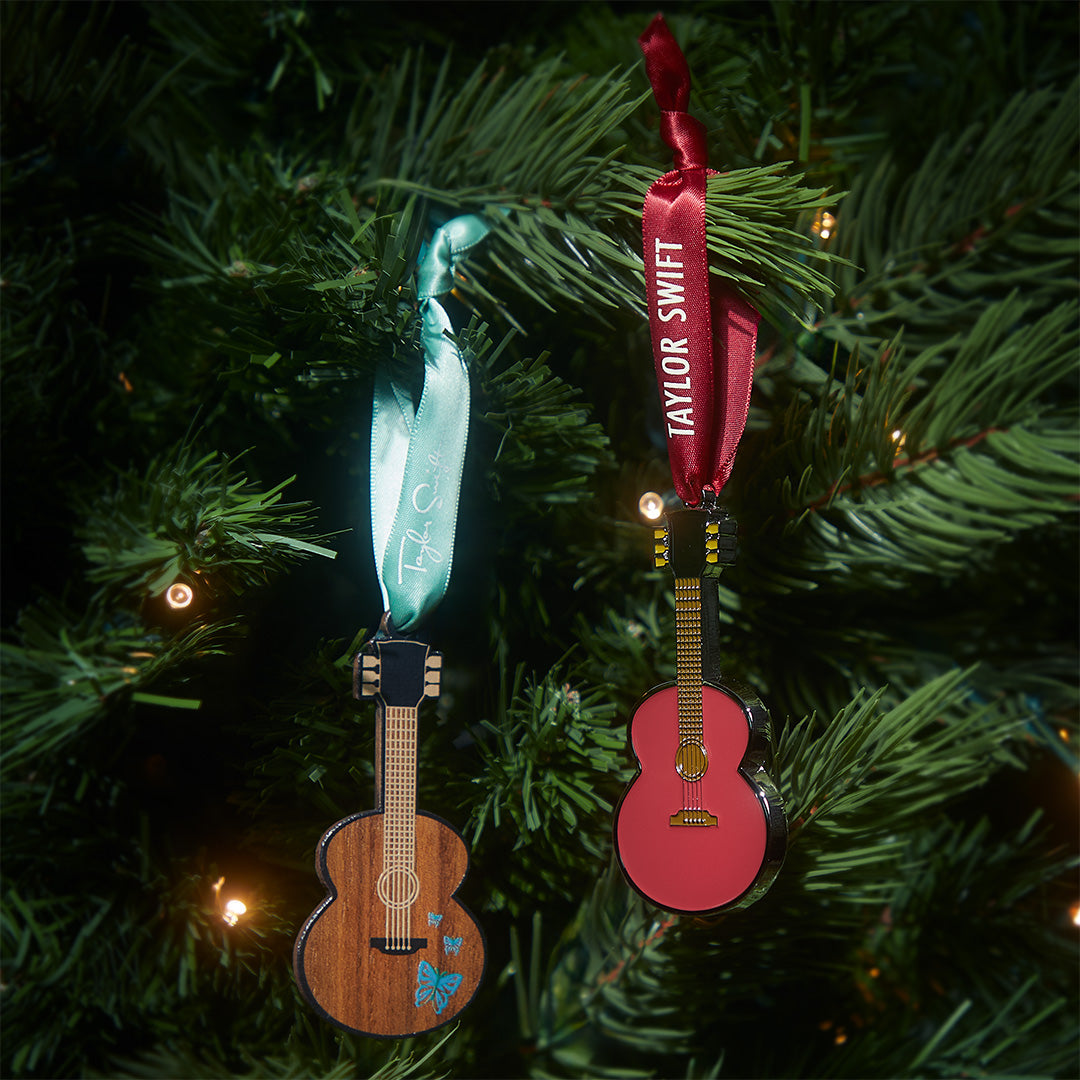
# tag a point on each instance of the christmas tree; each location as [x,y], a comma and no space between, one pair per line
[213,218]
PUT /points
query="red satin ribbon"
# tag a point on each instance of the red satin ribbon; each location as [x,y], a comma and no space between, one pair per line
[704,353]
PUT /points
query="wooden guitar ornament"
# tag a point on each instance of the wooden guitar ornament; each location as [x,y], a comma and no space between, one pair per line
[701,828]
[390,952]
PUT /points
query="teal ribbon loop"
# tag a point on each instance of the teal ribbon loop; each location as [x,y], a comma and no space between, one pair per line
[417,455]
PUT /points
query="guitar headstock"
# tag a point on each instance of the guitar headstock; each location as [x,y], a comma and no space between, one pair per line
[398,671]
[697,542]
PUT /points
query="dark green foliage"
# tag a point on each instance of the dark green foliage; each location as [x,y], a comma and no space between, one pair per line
[189,518]
[62,674]
[545,766]
[213,214]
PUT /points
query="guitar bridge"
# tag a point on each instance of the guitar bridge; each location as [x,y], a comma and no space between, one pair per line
[693,817]
[399,947]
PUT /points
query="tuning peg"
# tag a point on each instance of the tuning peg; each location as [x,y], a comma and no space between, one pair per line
[431,687]
[712,528]
[660,561]
[369,675]
[434,661]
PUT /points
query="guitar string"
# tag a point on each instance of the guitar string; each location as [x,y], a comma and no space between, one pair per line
[387,827]
[401,877]
[690,690]
[399,841]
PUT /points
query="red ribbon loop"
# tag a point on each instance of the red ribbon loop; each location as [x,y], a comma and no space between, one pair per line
[666,67]
[704,386]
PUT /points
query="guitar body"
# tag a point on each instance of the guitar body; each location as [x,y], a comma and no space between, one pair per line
[700,865]
[390,952]
[419,982]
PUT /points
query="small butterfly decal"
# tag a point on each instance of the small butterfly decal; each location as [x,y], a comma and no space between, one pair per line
[435,986]
[451,944]
[433,918]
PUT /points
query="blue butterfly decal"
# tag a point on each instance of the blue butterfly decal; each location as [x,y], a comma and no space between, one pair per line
[435,986]
[451,944]
[433,919]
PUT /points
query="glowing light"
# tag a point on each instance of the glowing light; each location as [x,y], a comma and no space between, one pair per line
[1074,911]
[233,910]
[824,224]
[179,595]
[651,506]
[1064,733]
[898,438]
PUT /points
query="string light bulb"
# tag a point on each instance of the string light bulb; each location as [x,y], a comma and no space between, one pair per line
[179,595]
[233,910]
[651,506]
[1074,911]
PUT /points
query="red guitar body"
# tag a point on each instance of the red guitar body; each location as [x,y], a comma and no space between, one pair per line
[700,866]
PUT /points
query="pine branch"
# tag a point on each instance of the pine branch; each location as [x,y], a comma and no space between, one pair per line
[931,461]
[65,675]
[48,336]
[189,1063]
[62,79]
[895,765]
[616,943]
[573,216]
[312,759]
[988,211]
[166,935]
[549,767]
[547,450]
[195,519]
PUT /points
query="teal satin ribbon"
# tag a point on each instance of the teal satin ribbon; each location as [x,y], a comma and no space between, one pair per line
[417,455]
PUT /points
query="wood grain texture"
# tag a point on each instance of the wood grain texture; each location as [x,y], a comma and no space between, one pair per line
[359,987]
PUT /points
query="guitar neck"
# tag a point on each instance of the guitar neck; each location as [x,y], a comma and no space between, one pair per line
[695,544]
[688,657]
[399,785]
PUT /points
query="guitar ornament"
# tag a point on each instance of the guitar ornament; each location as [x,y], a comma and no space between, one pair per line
[701,827]
[390,952]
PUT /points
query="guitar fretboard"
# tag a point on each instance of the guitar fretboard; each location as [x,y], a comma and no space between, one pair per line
[688,657]
[399,788]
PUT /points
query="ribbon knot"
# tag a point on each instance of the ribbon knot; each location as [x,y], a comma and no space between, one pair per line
[686,137]
[417,454]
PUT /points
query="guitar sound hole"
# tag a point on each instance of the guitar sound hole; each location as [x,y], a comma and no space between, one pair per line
[691,761]
[398,888]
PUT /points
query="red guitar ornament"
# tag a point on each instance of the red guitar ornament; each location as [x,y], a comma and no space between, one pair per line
[390,952]
[701,828]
